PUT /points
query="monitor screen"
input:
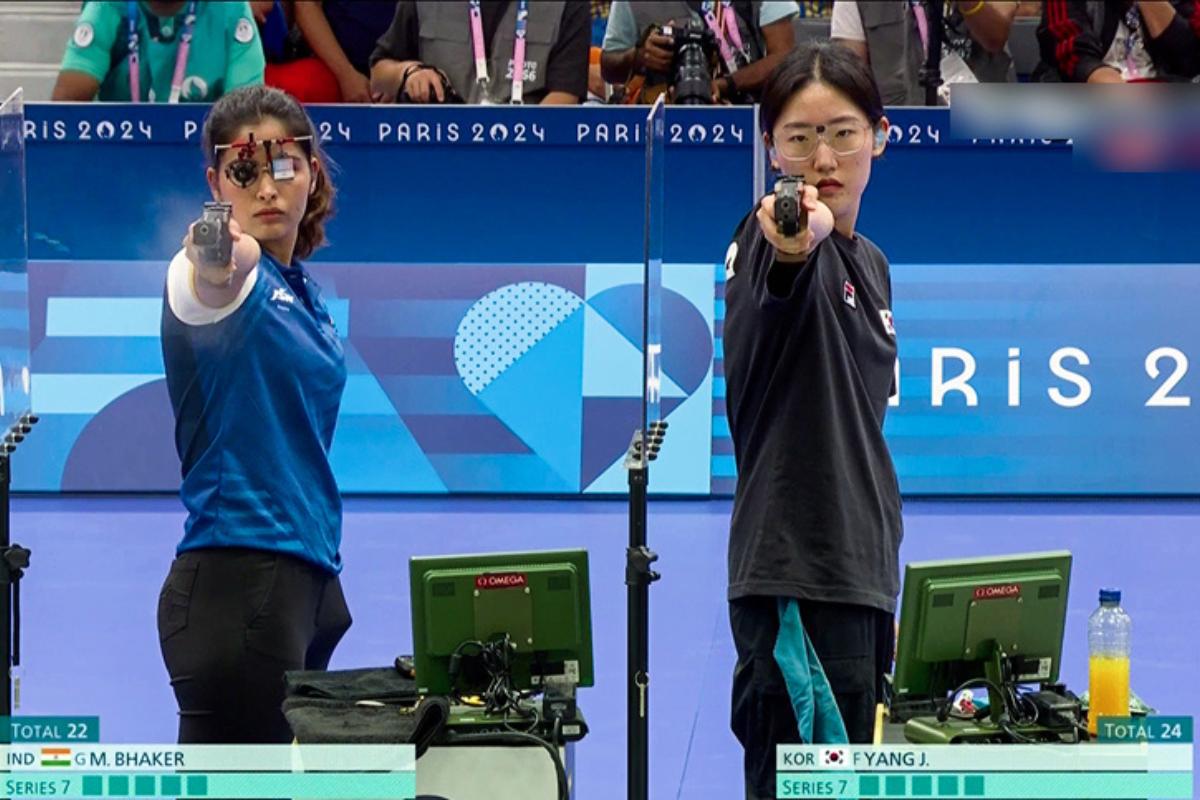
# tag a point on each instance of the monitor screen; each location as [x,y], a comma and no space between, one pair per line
[959,616]
[540,601]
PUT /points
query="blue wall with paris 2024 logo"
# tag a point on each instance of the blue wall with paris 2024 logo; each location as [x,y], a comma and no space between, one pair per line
[485,272]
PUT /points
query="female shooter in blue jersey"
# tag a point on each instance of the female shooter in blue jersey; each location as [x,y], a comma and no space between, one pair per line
[255,371]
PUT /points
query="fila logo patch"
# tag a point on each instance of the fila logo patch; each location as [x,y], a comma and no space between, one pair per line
[848,294]
[889,324]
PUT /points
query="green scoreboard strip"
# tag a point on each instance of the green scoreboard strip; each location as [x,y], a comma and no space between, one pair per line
[50,730]
[1137,759]
[243,785]
[1029,785]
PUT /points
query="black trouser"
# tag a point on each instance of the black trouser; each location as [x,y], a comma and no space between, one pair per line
[855,646]
[230,623]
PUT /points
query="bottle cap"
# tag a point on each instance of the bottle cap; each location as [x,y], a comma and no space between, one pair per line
[1110,595]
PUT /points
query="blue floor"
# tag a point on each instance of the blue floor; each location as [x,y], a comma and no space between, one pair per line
[89,643]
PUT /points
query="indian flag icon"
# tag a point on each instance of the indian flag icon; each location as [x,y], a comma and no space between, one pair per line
[56,756]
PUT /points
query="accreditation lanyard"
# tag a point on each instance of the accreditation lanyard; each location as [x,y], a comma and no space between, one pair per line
[1133,25]
[725,27]
[918,12]
[477,44]
[181,55]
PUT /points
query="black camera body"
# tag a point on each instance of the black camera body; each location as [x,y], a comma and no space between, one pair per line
[695,47]
[790,216]
[211,236]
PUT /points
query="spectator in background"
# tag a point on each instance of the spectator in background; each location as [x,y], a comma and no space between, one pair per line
[757,34]
[178,51]
[429,54]
[597,87]
[291,66]
[1122,42]
[319,52]
[343,34]
[892,38]
[276,28]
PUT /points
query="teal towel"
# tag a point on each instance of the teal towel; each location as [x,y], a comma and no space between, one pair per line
[817,713]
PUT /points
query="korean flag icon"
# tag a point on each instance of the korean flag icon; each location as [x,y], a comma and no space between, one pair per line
[834,757]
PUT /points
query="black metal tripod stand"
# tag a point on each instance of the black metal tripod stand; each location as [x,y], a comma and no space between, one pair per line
[14,560]
[638,577]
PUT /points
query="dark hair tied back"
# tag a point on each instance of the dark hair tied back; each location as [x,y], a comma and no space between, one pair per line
[820,62]
[251,105]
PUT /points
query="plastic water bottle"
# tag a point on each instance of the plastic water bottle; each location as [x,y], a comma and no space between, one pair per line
[1110,633]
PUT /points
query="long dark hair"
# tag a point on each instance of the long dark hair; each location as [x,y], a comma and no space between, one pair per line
[820,62]
[252,104]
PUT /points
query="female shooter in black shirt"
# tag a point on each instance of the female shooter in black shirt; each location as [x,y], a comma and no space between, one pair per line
[810,353]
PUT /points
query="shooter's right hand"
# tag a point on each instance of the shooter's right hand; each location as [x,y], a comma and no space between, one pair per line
[246,253]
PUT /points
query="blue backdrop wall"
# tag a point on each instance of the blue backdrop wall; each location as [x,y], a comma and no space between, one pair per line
[485,274]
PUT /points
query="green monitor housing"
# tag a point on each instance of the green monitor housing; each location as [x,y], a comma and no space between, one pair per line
[540,600]
[1000,617]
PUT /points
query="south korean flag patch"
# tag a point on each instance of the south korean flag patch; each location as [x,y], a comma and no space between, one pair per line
[889,324]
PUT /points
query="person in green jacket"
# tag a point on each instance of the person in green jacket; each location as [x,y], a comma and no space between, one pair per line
[160,51]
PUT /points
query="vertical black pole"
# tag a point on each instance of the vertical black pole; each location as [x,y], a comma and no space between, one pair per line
[14,559]
[637,587]
[6,591]
[642,450]
[931,73]
[637,583]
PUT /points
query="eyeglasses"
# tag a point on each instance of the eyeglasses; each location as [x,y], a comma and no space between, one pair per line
[245,170]
[799,143]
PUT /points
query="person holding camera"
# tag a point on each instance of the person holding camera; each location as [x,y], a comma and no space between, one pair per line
[490,52]
[749,39]
[892,38]
[255,372]
[810,353]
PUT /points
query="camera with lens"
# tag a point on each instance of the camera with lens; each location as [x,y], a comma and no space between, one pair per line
[211,236]
[695,47]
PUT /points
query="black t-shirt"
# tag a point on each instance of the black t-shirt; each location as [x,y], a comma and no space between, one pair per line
[357,26]
[567,70]
[810,352]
